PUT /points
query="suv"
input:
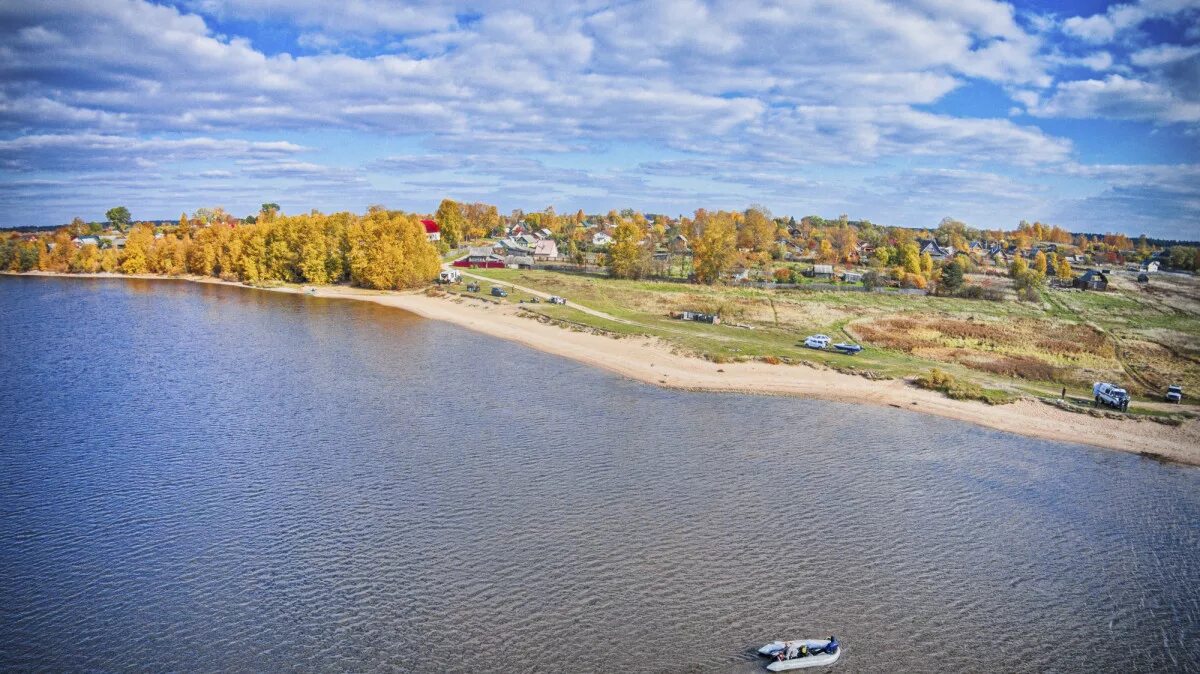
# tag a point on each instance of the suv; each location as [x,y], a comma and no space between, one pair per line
[817,341]
[1108,394]
[497,291]
[1174,394]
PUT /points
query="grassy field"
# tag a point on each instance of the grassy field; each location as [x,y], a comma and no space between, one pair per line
[1141,336]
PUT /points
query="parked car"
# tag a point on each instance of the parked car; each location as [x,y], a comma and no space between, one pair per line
[555,299]
[497,291]
[1174,394]
[817,341]
[1110,395]
[450,276]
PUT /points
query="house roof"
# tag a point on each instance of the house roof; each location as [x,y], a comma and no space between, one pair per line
[822,269]
[431,227]
[546,247]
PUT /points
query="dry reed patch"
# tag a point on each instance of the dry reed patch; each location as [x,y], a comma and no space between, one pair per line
[1022,348]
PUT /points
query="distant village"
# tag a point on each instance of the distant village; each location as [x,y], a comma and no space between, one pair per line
[760,249]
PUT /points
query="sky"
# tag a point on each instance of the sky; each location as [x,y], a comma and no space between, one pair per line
[1078,113]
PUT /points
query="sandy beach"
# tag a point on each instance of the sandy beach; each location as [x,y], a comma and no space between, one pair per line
[652,362]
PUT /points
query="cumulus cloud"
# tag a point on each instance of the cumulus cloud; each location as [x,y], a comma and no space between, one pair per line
[1119,98]
[1102,28]
[67,151]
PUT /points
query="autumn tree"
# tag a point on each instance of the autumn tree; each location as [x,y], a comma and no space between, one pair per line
[825,251]
[137,250]
[715,249]
[757,232]
[1039,263]
[909,257]
[450,219]
[390,251]
[627,256]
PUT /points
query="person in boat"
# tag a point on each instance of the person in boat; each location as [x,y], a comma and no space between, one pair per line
[832,646]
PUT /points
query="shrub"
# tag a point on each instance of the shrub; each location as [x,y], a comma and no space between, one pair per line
[938,380]
[784,275]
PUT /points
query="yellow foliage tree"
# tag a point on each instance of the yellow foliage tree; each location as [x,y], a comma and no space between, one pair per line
[627,256]
[715,249]
[137,250]
[390,251]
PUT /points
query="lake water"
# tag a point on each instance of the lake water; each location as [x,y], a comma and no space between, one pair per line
[202,478]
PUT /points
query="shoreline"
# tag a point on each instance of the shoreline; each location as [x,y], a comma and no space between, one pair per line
[650,361]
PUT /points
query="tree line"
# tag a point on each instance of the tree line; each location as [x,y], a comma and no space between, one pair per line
[381,249]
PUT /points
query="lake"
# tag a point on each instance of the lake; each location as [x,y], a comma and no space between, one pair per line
[206,478]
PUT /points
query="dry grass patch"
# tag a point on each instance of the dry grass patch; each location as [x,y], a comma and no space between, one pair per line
[1026,348]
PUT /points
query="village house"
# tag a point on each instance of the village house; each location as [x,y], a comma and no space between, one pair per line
[513,246]
[1091,280]
[1150,266]
[432,231]
[481,256]
[601,239]
[82,241]
[678,244]
[823,271]
[936,251]
[545,250]
[543,233]
[518,262]
[852,277]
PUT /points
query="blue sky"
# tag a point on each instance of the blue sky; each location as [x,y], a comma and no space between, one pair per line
[1082,114]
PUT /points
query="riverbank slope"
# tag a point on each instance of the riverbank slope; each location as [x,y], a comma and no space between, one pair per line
[651,361]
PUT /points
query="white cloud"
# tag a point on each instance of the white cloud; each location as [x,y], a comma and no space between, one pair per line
[1119,98]
[1103,28]
[67,151]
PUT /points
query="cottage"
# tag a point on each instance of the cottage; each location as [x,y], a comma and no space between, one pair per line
[852,277]
[936,251]
[82,241]
[998,255]
[513,246]
[518,262]
[1092,280]
[1150,266]
[545,250]
[543,233]
[481,256]
[432,231]
[679,244]
[824,271]
[601,239]
[113,241]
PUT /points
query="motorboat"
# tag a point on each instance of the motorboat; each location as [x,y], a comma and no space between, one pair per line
[819,655]
[847,348]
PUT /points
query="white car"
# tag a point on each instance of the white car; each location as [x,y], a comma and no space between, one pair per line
[817,341]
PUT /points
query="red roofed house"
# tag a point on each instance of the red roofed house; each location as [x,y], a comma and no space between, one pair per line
[432,230]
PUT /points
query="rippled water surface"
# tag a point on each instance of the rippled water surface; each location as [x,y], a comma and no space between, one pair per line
[198,478]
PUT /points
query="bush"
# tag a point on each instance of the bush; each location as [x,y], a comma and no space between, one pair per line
[784,275]
[871,280]
[939,380]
